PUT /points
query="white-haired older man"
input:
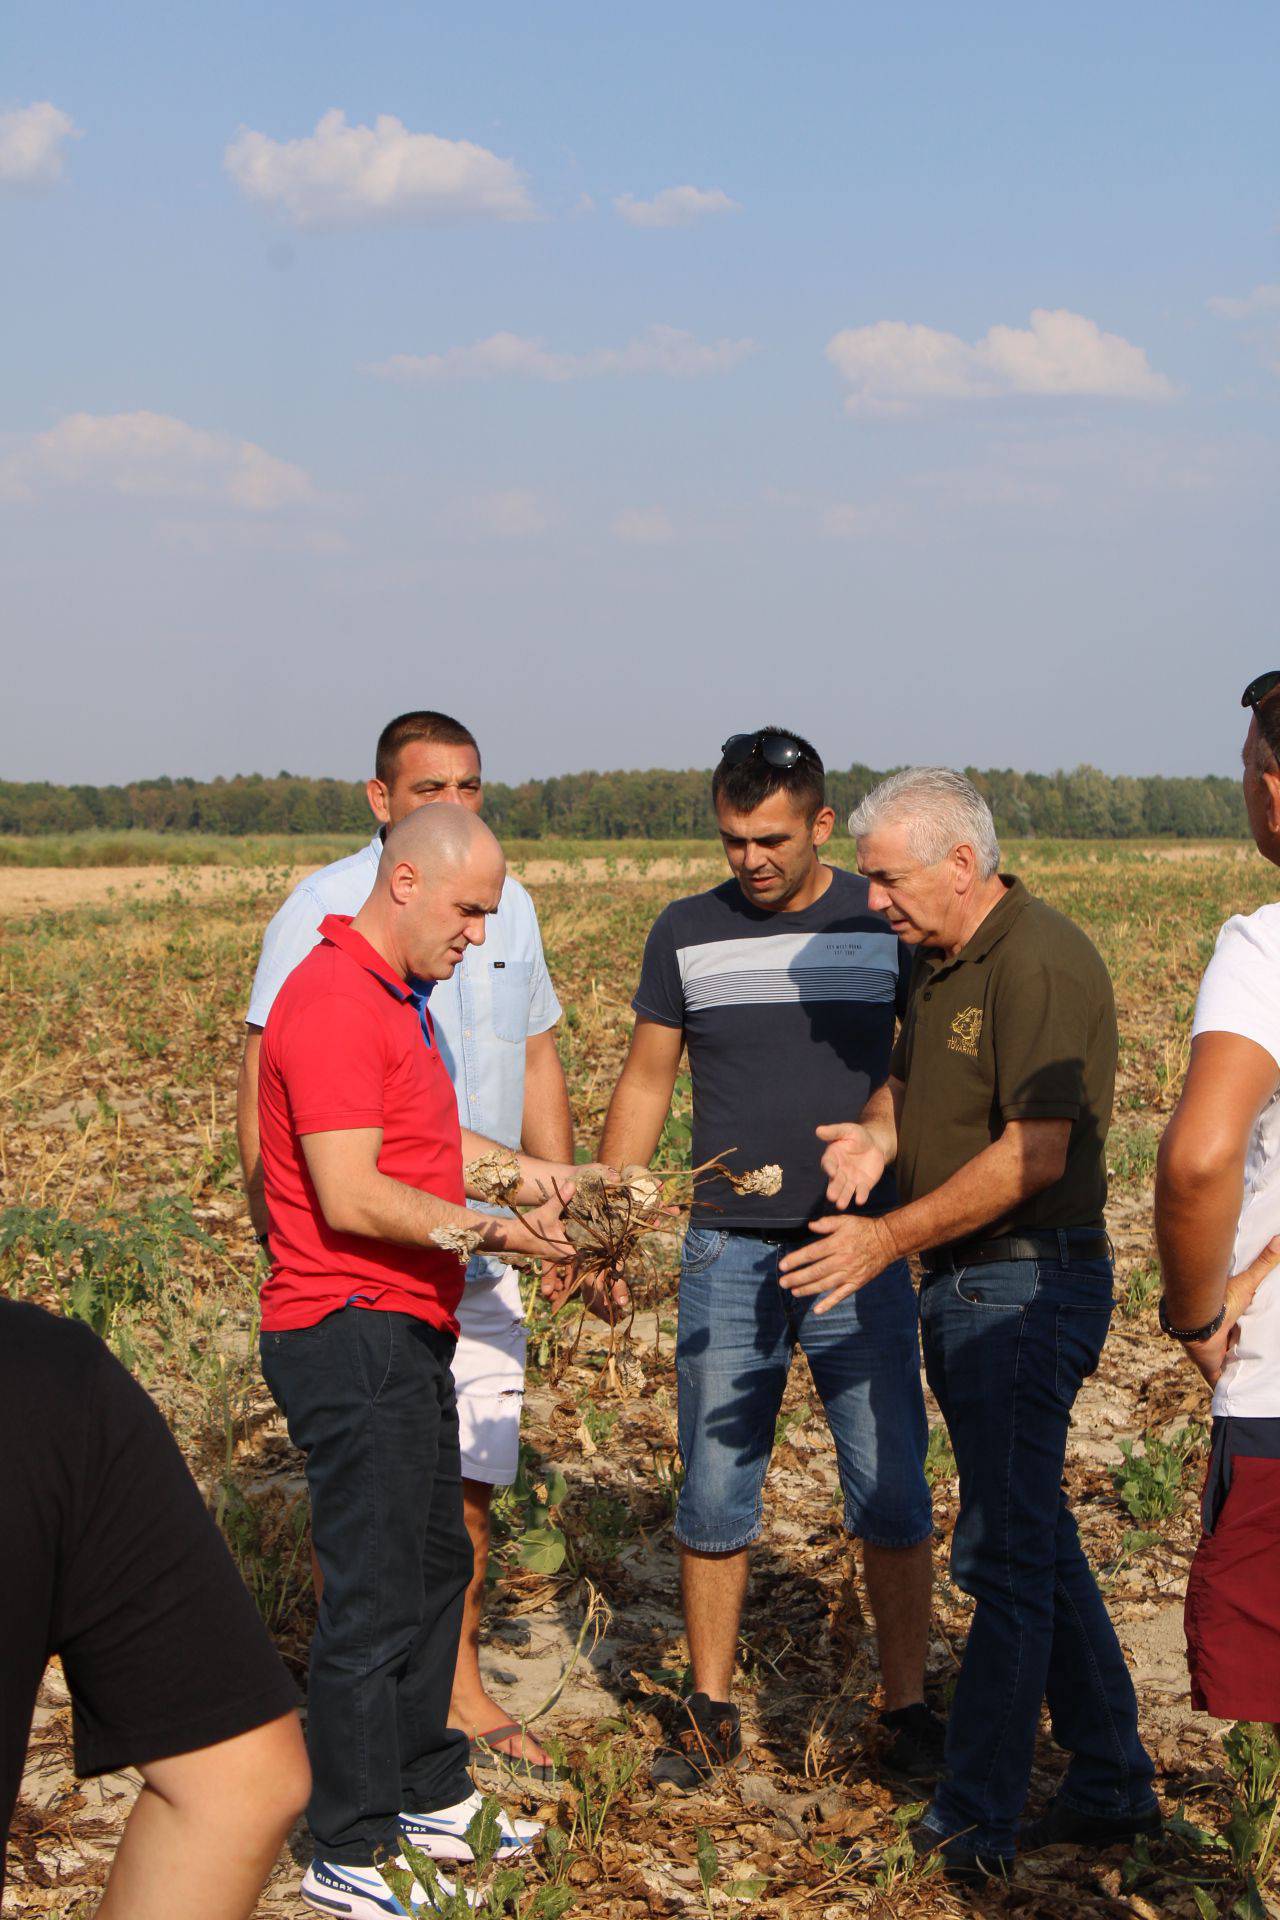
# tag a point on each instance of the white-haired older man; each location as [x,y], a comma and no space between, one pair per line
[995,1118]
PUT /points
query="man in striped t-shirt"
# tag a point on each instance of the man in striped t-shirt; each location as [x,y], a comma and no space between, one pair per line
[784,986]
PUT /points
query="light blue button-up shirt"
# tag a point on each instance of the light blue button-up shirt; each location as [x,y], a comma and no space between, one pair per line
[499,994]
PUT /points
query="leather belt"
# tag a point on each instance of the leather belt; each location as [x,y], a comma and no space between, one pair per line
[1062,1244]
[775,1236]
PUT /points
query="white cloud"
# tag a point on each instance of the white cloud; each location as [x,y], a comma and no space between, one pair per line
[664,350]
[674,206]
[155,456]
[517,514]
[644,526]
[894,366]
[31,144]
[500,355]
[341,176]
[1264,299]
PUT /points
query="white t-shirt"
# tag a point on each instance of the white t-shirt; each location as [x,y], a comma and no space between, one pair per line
[1240,993]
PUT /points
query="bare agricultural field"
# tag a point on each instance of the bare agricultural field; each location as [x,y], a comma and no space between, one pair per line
[74,870]
[30,889]
[120,1010]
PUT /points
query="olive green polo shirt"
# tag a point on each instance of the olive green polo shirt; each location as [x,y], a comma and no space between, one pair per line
[1020,1025]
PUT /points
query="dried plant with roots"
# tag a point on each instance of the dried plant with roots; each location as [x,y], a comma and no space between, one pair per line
[617,1228]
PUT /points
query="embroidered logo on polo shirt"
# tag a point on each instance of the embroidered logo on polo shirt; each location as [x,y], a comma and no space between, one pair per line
[965,1029]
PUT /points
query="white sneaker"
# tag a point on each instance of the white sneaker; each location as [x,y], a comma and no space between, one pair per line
[361,1893]
[443,1835]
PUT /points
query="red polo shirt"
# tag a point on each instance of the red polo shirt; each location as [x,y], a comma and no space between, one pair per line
[347,1045]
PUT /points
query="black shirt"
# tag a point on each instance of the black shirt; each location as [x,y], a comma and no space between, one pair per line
[112,1561]
[789,1021]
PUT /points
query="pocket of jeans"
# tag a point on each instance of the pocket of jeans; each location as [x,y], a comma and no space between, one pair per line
[1085,1286]
[375,1349]
[1079,1337]
[295,1343]
[1005,1286]
[701,1249]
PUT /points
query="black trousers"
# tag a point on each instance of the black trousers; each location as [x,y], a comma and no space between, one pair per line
[369,1400]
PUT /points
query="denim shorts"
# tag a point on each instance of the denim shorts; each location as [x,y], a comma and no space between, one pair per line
[738,1330]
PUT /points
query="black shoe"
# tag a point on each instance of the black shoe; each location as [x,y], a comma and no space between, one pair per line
[961,1860]
[1063,1826]
[708,1734]
[915,1741]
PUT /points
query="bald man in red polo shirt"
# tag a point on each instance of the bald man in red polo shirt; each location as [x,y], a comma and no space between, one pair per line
[363,1161]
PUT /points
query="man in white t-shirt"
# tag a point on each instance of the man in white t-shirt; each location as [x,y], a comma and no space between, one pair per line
[494,1023]
[1218,1231]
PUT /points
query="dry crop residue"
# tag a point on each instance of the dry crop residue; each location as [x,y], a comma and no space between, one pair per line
[120,1046]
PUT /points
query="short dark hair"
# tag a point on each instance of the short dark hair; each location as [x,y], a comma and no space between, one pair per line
[438,728]
[753,781]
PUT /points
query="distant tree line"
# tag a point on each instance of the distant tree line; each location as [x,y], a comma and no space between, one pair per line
[653,805]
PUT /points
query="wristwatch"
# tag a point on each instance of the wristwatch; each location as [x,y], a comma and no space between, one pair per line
[1189,1335]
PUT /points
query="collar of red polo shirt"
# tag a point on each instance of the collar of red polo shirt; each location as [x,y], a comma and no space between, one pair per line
[337,929]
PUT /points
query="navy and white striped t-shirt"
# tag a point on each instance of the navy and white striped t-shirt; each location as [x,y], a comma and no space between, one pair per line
[789,1022]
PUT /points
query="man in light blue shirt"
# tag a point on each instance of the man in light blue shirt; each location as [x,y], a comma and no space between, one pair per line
[494,1022]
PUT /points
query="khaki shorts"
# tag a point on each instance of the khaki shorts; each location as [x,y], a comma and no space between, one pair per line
[488,1374]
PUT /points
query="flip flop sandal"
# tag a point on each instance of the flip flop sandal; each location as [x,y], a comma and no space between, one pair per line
[509,1729]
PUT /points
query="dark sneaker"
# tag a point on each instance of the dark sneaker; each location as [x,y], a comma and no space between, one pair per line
[961,1860]
[1063,1826]
[914,1740]
[708,1734]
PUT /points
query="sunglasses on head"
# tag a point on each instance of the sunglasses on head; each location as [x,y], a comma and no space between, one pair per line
[1255,697]
[1257,690]
[777,749]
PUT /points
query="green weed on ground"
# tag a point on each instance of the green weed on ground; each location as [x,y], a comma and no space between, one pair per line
[1151,1484]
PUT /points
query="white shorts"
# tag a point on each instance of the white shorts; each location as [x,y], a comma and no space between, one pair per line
[488,1373]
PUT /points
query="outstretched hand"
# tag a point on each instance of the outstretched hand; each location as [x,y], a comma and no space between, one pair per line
[853,1163]
[1211,1355]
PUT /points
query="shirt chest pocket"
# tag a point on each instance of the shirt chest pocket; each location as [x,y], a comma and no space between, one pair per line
[509,985]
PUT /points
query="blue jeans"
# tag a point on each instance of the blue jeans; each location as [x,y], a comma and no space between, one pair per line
[1006,1349]
[369,1401]
[738,1330]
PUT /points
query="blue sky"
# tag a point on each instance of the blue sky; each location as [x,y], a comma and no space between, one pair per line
[618,381]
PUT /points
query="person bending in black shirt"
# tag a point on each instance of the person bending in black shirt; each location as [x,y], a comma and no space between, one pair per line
[113,1564]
